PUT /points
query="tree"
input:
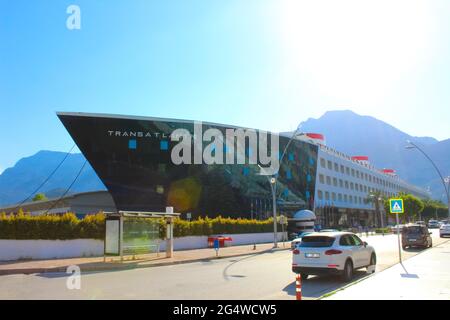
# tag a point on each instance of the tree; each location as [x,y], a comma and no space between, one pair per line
[373,198]
[412,207]
[434,209]
[39,197]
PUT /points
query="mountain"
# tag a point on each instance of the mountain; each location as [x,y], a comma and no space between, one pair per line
[354,134]
[28,173]
[344,130]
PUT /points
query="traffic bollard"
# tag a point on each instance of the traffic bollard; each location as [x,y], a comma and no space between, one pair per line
[298,287]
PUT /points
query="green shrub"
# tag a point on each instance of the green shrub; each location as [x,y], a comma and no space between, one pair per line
[51,227]
[220,225]
[382,230]
[67,226]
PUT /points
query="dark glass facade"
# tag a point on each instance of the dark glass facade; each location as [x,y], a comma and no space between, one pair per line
[132,156]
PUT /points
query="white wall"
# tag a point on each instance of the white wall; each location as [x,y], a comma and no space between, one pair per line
[54,249]
[197,242]
[49,249]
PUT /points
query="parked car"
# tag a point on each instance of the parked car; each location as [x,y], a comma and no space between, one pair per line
[433,224]
[398,226]
[338,253]
[298,239]
[416,235]
[444,230]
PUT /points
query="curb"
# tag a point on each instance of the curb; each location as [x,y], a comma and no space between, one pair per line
[326,295]
[120,267]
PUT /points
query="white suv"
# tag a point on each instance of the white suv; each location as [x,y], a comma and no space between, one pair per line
[332,253]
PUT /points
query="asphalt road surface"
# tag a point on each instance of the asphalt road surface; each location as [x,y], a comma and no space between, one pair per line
[257,276]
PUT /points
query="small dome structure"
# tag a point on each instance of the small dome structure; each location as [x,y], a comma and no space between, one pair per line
[305,215]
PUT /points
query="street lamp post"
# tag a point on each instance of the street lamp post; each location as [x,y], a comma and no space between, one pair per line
[273,188]
[447,180]
[412,145]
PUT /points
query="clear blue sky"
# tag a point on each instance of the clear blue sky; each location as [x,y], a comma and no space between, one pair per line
[266,64]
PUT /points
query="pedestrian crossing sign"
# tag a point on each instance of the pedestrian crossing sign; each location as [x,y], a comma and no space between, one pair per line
[396,205]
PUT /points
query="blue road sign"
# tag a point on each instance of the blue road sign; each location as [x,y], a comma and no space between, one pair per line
[396,205]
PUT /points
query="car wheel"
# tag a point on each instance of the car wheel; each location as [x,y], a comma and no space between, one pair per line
[373,259]
[304,276]
[347,273]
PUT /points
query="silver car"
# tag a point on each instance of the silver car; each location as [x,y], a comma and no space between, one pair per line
[444,230]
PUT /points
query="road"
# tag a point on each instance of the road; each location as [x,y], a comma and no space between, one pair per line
[259,276]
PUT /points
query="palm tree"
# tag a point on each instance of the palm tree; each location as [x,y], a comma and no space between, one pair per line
[376,197]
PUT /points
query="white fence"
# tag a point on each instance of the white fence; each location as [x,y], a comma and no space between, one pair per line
[57,249]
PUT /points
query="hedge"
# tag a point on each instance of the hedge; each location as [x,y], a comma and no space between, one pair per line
[383,230]
[51,227]
[68,226]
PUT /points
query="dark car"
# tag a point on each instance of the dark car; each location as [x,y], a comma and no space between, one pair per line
[416,235]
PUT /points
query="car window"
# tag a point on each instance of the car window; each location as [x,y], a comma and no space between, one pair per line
[414,230]
[345,241]
[316,242]
[357,241]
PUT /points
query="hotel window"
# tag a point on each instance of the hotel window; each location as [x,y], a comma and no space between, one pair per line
[330,165]
[341,183]
[360,200]
[365,177]
[351,186]
[347,170]
[350,199]
[370,178]
[345,198]
[335,182]
[320,194]
[342,169]
[333,196]
[159,189]
[346,184]
[365,188]
[162,168]
[353,172]
[328,181]
[336,167]
[340,197]
[356,187]
[357,174]
[321,178]
[322,162]
[327,195]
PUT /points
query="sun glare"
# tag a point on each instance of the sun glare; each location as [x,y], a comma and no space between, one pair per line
[354,50]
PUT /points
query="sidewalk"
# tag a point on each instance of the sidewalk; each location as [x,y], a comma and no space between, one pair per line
[143,261]
[425,276]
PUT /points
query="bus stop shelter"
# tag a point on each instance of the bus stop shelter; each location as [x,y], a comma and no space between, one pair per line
[136,232]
